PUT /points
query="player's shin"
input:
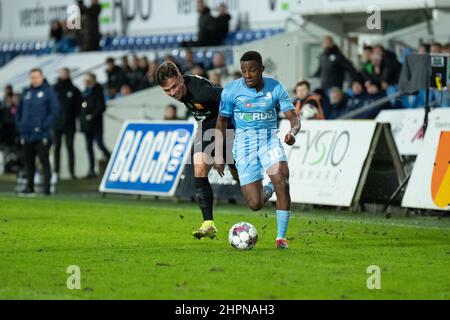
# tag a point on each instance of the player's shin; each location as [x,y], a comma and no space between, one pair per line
[268,191]
[282,223]
[205,197]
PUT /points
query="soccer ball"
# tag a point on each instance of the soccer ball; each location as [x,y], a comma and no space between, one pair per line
[243,236]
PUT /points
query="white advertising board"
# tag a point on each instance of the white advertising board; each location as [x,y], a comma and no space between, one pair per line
[327,160]
[348,6]
[406,125]
[30,19]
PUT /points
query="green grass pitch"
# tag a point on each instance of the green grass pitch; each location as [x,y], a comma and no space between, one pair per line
[128,249]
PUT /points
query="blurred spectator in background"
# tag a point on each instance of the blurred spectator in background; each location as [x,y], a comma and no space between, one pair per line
[125,65]
[386,68]
[339,102]
[91,119]
[36,115]
[391,67]
[134,76]
[375,93]
[143,64]
[143,70]
[199,71]
[219,61]
[125,90]
[333,66]
[189,61]
[324,101]
[219,64]
[359,95]
[216,79]
[423,48]
[151,74]
[116,76]
[222,25]
[170,112]
[69,97]
[8,94]
[206,27]
[307,105]
[65,39]
[69,42]
[111,93]
[56,31]
[90,32]
[8,111]
[366,63]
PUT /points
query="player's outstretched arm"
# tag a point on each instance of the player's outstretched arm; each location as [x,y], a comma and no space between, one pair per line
[294,119]
[221,127]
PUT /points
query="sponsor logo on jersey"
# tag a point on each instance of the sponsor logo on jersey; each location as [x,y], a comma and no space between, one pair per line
[255,116]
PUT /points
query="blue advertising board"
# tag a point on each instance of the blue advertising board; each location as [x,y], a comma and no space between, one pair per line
[149,158]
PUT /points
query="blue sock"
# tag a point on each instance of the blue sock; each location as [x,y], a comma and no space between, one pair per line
[270,186]
[282,222]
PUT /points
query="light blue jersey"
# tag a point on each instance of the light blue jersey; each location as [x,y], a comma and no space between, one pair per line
[254,110]
[256,146]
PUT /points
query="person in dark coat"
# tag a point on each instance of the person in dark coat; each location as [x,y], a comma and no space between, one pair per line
[90,32]
[375,94]
[359,95]
[36,115]
[91,119]
[222,25]
[8,121]
[339,102]
[206,27]
[333,66]
[115,74]
[56,31]
[386,67]
[70,102]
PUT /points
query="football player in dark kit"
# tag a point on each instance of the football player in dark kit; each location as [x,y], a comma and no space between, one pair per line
[202,98]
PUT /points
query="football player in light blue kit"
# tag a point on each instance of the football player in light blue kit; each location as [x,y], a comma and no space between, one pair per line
[252,103]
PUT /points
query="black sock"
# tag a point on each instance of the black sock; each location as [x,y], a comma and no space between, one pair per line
[205,197]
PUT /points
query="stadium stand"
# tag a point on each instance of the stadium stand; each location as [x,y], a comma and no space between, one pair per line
[10,50]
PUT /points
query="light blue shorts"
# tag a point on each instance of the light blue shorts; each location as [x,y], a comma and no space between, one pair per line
[255,154]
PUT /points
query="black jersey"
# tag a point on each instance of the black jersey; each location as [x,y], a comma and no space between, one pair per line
[202,99]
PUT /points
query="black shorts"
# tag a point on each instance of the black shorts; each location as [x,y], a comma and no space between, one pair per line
[205,141]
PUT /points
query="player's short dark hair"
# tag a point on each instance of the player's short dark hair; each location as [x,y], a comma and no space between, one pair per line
[252,56]
[36,70]
[110,60]
[166,71]
[303,83]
